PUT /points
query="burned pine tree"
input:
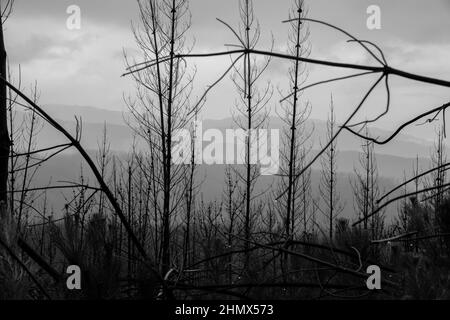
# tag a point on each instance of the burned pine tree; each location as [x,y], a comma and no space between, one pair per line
[5,11]
[161,107]
[439,177]
[251,114]
[366,191]
[328,182]
[296,202]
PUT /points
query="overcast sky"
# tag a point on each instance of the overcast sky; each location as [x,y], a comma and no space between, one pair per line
[83,67]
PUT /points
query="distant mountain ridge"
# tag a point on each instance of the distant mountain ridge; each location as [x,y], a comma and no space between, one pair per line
[87,113]
[121,138]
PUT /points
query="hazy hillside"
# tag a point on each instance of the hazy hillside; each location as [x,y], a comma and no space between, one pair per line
[121,136]
[394,160]
[67,167]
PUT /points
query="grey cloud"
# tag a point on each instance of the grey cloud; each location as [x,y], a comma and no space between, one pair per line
[118,12]
[39,46]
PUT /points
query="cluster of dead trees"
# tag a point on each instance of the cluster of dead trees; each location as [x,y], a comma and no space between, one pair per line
[143,229]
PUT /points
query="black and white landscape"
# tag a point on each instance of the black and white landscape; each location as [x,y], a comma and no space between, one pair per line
[215,150]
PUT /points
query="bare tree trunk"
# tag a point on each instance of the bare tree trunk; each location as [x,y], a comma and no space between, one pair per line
[4,136]
[252,108]
[190,199]
[168,165]
[327,187]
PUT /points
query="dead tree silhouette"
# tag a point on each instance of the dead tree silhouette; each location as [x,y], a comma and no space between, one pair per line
[4,135]
[295,114]
[161,108]
[328,182]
